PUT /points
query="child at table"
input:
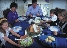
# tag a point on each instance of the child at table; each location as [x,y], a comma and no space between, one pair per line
[5,30]
[12,16]
[53,19]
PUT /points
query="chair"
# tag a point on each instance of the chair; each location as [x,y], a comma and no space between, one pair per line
[5,13]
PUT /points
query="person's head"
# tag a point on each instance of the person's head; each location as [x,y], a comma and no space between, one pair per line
[3,23]
[57,9]
[34,3]
[62,15]
[13,6]
[52,12]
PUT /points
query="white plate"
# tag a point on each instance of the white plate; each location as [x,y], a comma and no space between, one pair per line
[17,28]
[54,28]
[46,18]
[22,18]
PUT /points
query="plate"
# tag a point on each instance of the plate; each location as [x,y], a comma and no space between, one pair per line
[22,18]
[37,20]
[33,34]
[54,28]
[17,28]
[46,18]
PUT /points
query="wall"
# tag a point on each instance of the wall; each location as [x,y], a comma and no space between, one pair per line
[22,7]
[59,4]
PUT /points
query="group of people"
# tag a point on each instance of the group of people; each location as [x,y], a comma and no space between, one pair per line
[58,17]
[12,15]
[11,18]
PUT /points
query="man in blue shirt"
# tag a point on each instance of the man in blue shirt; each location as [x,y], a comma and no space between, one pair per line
[34,9]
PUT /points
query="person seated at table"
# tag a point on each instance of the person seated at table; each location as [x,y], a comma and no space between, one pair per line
[12,16]
[53,18]
[62,15]
[34,9]
[5,31]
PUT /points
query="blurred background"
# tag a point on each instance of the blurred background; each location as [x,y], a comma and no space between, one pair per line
[45,5]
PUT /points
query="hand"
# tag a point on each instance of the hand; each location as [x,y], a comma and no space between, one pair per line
[17,20]
[22,15]
[30,15]
[55,32]
[20,46]
[38,14]
[46,21]
[48,24]
[22,37]
[42,21]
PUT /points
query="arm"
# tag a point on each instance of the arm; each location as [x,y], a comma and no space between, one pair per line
[16,17]
[54,18]
[9,18]
[10,41]
[28,11]
[65,29]
[40,11]
[14,33]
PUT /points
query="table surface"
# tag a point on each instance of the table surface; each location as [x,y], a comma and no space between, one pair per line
[24,24]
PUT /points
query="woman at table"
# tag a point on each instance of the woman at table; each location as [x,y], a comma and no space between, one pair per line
[62,15]
[12,15]
[34,9]
[5,31]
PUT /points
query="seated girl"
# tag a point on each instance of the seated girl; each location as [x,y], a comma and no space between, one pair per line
[5,30]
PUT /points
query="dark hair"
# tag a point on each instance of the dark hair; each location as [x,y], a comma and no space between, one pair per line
[57,10]
[33,1]
[63,13]
[52,11]
[13,4]
[5,13]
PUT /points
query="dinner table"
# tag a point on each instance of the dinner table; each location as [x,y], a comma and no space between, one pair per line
[62,42]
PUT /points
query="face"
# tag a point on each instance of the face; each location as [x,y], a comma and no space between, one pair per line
[34,5]
[51,14]
[5,25]
[13,9]
[60,17]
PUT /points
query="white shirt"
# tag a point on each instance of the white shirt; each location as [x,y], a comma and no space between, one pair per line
[54,18]
[2,35]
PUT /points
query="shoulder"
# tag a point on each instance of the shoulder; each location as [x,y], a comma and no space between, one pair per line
[66,25]
[9,29]
[30,6]
[1,35]
[55,16]
[10,12]
[38,6]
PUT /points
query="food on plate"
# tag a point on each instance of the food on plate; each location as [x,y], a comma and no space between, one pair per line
[50,39]
[34,28]
[46,39]
[37,21]
[26,41]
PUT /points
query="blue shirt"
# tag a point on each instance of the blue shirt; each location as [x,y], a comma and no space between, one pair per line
[12,16]
[34,11]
